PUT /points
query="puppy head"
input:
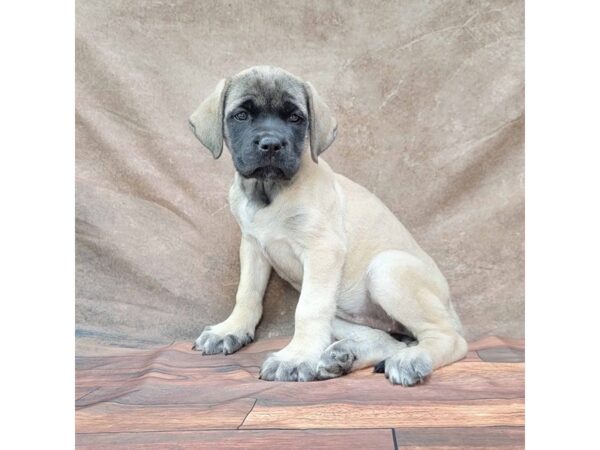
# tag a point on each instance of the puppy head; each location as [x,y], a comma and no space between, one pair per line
[264,114]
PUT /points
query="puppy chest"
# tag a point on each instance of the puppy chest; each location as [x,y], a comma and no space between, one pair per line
[272,232]
[284,261]
[278,248]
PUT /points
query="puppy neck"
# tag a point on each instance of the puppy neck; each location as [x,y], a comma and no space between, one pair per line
[261,192]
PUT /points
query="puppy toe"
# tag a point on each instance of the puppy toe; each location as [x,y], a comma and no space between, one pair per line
[336,360]
[212,345]
[268,370]
[286,372]
[276,369]
[232,343]
[409,367]
[306,372]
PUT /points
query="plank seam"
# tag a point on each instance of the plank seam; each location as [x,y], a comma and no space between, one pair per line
[217,430]
[249,412]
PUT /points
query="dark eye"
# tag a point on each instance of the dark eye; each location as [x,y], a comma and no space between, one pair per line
[242,115]
[294,118]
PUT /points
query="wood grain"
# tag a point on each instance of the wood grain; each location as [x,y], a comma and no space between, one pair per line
[460,438]
[111,416]
[375,439]
[489,412]
[173,397]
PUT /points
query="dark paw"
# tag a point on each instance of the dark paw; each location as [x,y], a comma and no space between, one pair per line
[336,360]
[277,369]
[408,367]
[210,343]
[379,367]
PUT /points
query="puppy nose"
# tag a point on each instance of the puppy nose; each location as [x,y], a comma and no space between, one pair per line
[270,144]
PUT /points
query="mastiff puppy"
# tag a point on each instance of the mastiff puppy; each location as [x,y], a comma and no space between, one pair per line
[369,295]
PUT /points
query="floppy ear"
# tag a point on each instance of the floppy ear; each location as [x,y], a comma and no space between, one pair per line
[322,126]
[207,121]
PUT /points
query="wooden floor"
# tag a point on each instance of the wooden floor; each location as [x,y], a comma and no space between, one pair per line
[172,397]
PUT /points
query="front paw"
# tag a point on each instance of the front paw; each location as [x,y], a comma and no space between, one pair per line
[284,367]
[337,359]
[213,341]
[409,367]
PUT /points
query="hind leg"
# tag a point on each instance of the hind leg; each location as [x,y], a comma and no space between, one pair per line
[356,347]
[416,294]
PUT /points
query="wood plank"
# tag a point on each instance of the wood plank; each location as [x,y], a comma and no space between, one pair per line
[117,417]
[471,413]
[461,438]
[247,439]
[172,386]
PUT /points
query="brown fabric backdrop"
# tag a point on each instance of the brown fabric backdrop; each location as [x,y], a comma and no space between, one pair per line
[429,102]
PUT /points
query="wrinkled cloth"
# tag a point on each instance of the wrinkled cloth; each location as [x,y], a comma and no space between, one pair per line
[429,103]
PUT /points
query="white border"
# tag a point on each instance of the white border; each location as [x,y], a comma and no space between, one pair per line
[37,248]
[562,223]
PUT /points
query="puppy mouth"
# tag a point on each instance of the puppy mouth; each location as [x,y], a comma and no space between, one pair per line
[268,172]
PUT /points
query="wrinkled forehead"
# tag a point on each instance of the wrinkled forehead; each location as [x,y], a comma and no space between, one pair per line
[274,91]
